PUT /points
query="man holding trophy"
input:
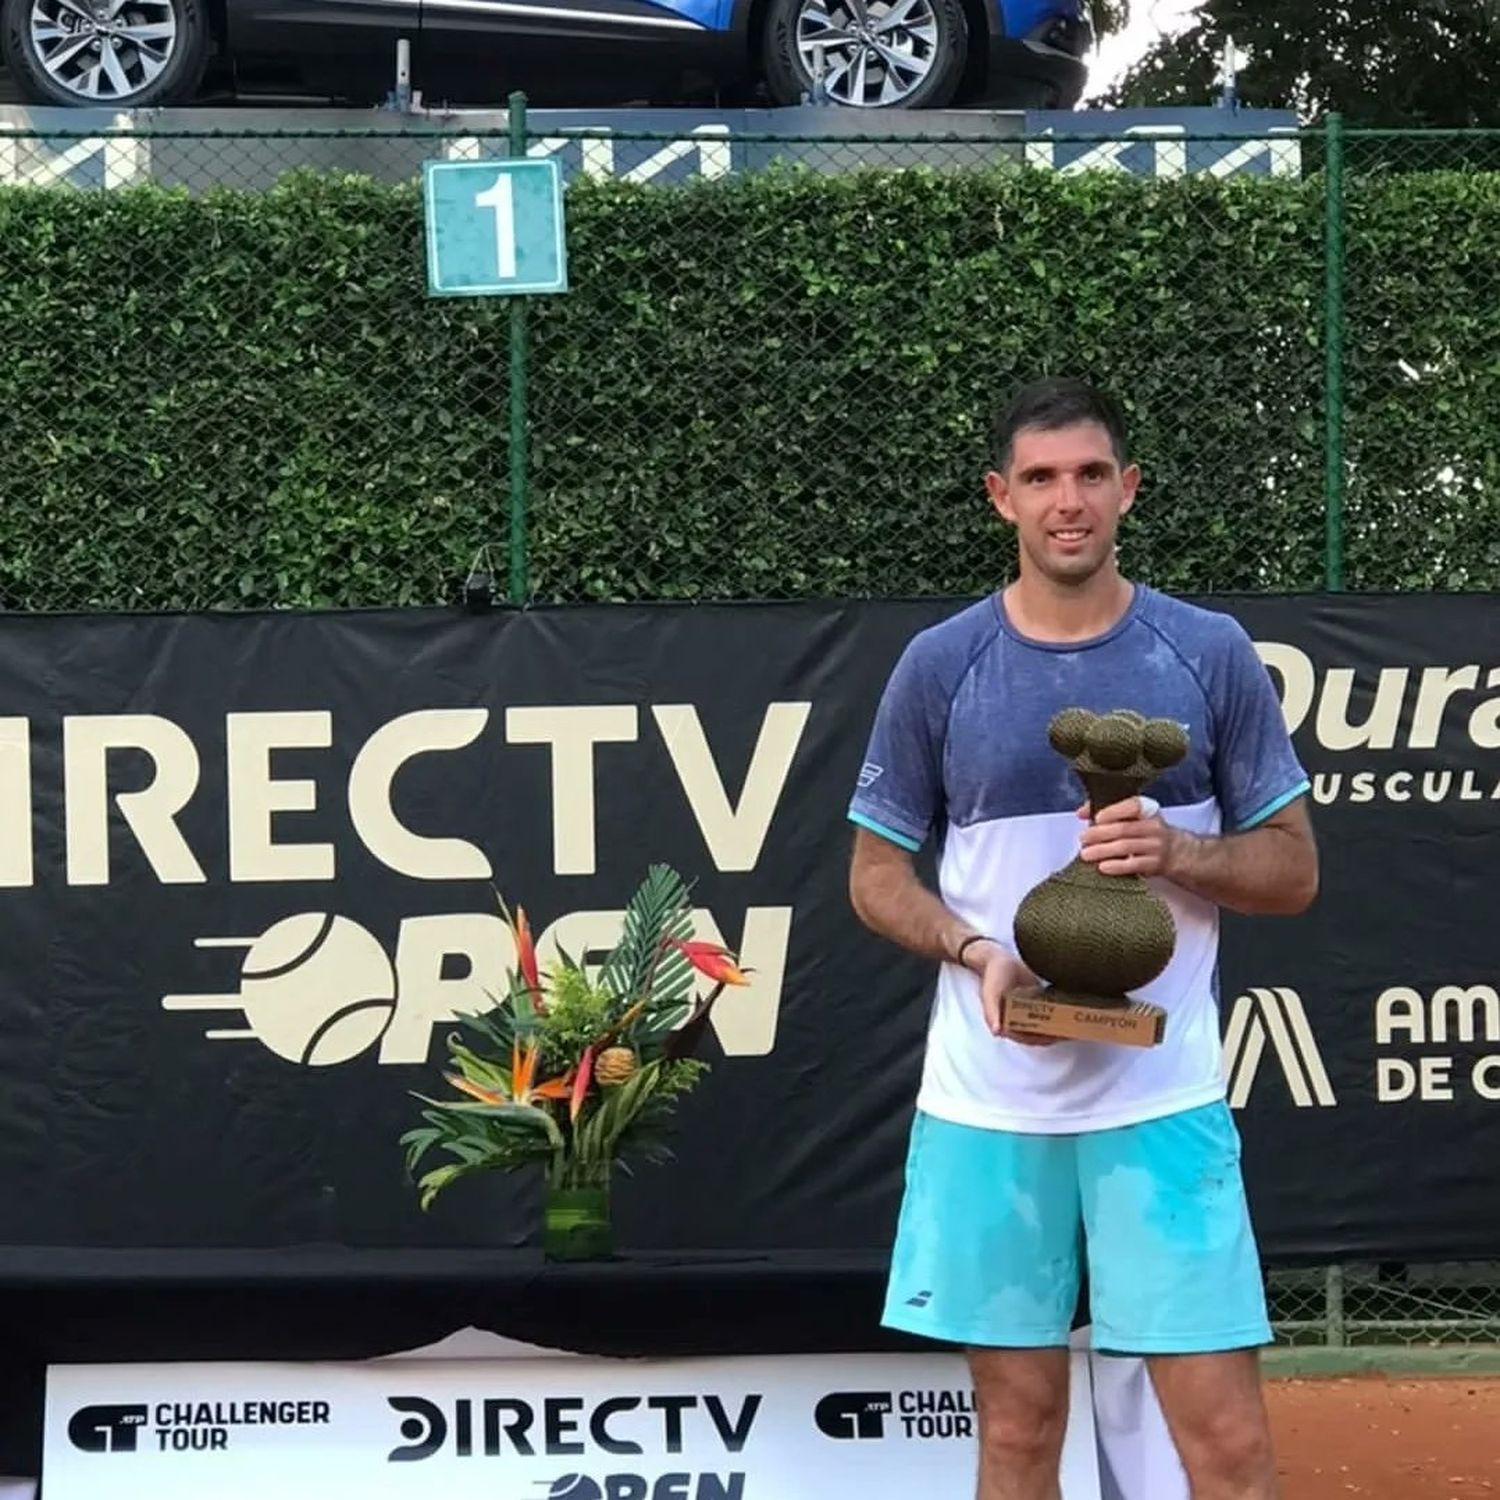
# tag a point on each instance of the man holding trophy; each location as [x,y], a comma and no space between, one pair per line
[1071,1115]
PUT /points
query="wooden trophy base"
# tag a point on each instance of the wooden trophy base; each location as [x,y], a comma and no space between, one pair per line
[1043,1011]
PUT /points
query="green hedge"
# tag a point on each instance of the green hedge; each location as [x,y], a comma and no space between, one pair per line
[1423,382]
[762,386]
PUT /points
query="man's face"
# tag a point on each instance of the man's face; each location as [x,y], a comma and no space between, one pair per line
[1064,492]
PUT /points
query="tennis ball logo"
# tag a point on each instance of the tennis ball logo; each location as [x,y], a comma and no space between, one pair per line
[574,1487]
[315,989]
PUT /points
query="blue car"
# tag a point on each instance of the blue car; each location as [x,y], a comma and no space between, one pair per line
[867,54]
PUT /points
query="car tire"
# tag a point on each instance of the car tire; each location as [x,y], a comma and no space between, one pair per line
[175,83]
[788,74]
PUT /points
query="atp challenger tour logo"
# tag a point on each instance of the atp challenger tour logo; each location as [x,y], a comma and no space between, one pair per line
[1452,710]
[107,1429]
[315,986]
[870,1415]
[184,1426]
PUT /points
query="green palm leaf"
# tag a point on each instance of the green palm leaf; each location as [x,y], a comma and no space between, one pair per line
[480,1070]
[640,967]
[496,1025]
[439,1178]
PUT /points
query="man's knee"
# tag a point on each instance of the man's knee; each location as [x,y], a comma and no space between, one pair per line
[1217,1416]
[1021,1401]
[1022,1434]
[1233,1445]
[1226,1448]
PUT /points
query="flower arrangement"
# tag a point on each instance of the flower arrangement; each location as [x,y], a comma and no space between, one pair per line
[576,1072]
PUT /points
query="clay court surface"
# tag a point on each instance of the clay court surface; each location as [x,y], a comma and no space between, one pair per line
[1387,1438]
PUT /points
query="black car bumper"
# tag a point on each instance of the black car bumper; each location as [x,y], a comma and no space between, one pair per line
[1044,71]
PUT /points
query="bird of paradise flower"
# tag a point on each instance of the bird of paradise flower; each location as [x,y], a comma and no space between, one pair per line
[574,1071]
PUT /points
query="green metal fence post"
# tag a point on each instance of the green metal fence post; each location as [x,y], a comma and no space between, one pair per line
[519,558]
[1333,1333]
[1333,352]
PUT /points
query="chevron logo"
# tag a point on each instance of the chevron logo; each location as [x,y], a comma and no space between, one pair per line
[1276,1015]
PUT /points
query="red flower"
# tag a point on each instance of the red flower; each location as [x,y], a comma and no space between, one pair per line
[581,1083]
[526,955]
[709,958]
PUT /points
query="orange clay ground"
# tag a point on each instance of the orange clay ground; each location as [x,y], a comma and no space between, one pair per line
[1387,1438]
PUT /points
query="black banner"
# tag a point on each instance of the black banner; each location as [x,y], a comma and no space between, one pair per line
[190,1062]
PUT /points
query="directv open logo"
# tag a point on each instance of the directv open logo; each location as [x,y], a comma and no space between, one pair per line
[638,1487]
[318,989]
[520,1427]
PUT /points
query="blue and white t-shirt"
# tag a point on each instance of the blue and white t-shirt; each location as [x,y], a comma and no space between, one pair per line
[959,754]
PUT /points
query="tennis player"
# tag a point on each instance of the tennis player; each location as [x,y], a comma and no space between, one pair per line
[1031,1159]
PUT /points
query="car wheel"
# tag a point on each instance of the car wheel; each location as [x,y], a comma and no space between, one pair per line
[105,53]
[876,54]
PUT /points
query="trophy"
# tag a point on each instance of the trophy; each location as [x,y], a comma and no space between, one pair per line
[1092,938]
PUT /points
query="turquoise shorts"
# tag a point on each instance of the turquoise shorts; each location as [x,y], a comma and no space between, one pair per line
[997,1231]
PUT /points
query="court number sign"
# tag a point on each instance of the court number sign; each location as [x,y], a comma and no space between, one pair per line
[494,228]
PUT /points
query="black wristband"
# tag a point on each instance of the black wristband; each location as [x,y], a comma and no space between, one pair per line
[977,937]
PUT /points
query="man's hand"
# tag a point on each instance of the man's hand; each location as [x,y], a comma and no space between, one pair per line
[1271,869]
[1130,838]
[889,899]
[999,972]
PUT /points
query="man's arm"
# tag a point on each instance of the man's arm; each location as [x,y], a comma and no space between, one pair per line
[889,898]
[1269,870]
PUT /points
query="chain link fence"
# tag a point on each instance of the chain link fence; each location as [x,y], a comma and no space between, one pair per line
[1360,1306]
[223,384]
[804,381]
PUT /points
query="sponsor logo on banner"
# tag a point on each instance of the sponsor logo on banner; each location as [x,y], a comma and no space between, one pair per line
[106,1429]
[544,1428]
[1433,1046]
[318,988]
[1277,1016]
[1455,710]
[853,1414]
[492,1426]
[184,1426]
[874,1415]
[1460,1021]
[500,1426]
[638,1487]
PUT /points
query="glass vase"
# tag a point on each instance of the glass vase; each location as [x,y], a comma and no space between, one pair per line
[576,1222]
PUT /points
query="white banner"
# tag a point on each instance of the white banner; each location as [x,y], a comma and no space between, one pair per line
[883,1427]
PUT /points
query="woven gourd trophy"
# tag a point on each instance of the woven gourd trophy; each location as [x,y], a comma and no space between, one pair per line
[1093,937]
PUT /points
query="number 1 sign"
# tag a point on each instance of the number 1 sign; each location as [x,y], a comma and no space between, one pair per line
[494,227]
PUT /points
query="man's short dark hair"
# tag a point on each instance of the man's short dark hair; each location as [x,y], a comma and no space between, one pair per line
[1052,403]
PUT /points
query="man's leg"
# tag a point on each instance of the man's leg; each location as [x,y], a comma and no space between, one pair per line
[1217,1416]
[987,1257]
[1175,1277]
[1022,1401]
